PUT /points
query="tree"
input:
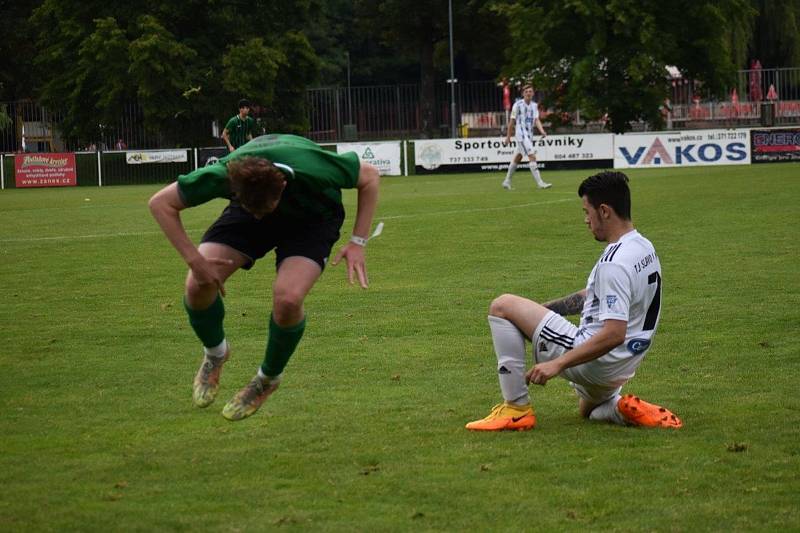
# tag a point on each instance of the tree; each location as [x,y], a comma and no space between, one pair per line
[16,49]
[610,56]
[416,35]
[183,63]
[776,42]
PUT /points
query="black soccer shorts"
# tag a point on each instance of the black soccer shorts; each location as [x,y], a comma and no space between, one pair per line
[312,238]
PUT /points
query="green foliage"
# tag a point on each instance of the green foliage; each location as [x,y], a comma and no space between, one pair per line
[366,432]
[610,57]
[251,68]
[160,68]
[5,120]
[179,61]
[16,49]
[777,33]
[299,70]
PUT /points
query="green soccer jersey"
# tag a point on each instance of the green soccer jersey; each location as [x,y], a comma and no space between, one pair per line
[314,177]
[239,129]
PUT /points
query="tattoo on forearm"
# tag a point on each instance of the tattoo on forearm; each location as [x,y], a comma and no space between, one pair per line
[569,305]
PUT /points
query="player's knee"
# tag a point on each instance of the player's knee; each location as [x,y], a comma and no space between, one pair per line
[194,289]
[199,296]
[287,304]
[501,306]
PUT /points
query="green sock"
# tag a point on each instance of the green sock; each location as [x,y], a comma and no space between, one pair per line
[280,346]
[207,323]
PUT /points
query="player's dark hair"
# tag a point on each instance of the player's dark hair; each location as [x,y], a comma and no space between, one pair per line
[255,182]
[244,103]
[610,188]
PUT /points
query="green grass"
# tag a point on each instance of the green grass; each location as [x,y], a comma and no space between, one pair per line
[97,430]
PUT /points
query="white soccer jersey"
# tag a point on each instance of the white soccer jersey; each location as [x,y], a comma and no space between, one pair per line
[625,284]
[524,116]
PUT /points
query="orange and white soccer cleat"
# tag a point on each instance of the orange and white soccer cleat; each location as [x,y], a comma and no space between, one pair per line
[638,412]
[506,416]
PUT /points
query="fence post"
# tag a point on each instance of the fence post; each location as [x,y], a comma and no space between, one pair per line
[405,158]
[99,170]
[195,159]
[338,114]
[399,109]
[2,171]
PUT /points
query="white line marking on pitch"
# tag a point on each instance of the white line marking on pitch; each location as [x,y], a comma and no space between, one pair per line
[390,217]
[476,210]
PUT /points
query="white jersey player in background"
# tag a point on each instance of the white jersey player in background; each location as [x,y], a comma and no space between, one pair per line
[620,310]
[524,116]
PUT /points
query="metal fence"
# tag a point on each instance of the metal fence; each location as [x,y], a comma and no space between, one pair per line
[393,111]
[768,97]
[761,96]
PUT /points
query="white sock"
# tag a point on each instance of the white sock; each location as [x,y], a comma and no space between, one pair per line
[509,346]
[512,167]
[217,351]
[535,171]
[607,411]
[268,380]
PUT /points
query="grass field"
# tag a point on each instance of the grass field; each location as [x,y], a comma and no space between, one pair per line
[98,432]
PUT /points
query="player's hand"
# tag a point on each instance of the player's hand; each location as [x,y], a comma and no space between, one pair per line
[206,273]
[353,255]
[541,373]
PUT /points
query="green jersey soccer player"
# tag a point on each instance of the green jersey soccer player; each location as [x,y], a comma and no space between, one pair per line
[285,195]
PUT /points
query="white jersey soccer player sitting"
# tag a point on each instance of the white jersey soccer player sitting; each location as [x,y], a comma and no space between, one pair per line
[620,310]
[524,115]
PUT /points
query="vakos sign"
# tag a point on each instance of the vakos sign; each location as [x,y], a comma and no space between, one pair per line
[673,149]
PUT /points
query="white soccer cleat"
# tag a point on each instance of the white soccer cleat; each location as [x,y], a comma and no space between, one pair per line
[545,185]
[507,185]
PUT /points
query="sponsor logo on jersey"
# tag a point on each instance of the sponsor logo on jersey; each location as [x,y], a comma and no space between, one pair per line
[637,346]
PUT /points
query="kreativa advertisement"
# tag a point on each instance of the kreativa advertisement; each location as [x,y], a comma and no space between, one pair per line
[494,154]
[676,149]
[385,156]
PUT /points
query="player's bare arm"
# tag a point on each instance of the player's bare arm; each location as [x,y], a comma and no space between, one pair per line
[511,126]
[568,305]
[166,206]
[611,335]
[353,252]
[539,127]
[227,138]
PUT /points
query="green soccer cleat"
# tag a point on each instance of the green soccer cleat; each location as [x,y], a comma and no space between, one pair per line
[206,381]
[249,399]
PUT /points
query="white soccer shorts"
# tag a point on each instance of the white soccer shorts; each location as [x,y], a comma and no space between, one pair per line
[595,381]
[524,146]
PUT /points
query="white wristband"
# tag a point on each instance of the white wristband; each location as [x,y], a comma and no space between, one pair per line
[361,241]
